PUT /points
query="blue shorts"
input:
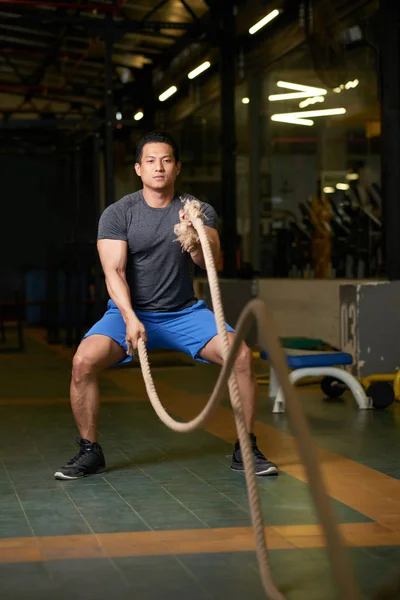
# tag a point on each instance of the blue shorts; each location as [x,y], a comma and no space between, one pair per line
[186,330]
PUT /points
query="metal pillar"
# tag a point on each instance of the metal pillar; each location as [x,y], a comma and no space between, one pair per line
[390,136]
[254,87]
[109,116]
[227,32]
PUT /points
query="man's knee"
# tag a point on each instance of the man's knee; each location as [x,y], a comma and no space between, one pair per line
[244,359]
[83,365]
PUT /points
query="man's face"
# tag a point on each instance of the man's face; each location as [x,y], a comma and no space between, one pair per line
[158,169]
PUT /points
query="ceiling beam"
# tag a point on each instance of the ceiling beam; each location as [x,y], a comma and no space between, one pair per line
[189,10]
[94,22]
[44,94]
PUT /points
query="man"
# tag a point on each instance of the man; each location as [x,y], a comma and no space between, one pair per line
[151,297]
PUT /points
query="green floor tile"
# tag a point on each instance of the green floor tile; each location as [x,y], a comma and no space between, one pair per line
[47,525]
[160,480]
[26,580]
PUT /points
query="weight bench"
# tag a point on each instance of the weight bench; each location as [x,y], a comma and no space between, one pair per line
[305,363]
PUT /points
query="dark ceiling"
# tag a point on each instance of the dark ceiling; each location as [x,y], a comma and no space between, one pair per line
[54,56]
[53,53]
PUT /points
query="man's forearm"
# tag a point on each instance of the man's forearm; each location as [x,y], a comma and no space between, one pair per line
[198,257]
[119,292]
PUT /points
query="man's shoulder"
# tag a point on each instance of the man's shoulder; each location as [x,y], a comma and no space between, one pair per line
[123,205]
[129,200]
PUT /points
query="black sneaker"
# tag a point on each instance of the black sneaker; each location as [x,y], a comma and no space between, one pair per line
[89,461]
[262,465]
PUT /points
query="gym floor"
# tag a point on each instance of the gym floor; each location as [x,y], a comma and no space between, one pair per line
[170,519]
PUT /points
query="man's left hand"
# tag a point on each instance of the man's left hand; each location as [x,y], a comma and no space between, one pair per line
[184,218]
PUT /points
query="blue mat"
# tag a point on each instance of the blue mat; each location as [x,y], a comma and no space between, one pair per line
[299,360]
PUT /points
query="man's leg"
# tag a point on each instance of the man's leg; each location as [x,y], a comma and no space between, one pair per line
[245,374]
[95,353]
[247,384]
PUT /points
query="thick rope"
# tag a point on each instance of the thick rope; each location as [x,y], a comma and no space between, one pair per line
[269,341]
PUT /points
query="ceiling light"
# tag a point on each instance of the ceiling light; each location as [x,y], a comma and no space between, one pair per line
[302,91]
[272,15]
[118,116]
[139,115]
[292,120]
[346,86]
[290,96]
[351,84]
[245,100]
[352,176]
[312,100]
[342,186]
[313,113]
[328,190]
[312,91]
[168,93]
[206,65]
[125,74]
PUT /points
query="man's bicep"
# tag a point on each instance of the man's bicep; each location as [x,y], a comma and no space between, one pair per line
[113,255]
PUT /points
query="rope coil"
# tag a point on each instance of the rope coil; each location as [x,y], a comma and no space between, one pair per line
[268,339]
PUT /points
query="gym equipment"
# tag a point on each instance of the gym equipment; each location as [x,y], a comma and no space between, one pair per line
[381,394]
[305,363]
[371,392]
[332,387]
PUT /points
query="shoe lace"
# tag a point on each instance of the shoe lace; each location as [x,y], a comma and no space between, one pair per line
[77,458]
[256,451]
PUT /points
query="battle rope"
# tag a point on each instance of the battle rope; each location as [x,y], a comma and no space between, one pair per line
[268,339]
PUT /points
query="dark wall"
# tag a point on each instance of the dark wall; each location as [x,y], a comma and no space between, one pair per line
[45,203]
[29,210]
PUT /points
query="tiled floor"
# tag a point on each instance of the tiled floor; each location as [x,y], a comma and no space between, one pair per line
[170,519]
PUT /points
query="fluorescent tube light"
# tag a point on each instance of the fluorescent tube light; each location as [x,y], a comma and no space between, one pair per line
[313,113]
[168,93]
[292,120]
[200,69]
[311,100]
[352,176]
[312,91]
[272,15]
[290,96]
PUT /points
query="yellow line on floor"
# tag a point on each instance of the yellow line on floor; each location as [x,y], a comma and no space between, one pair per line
[369,492]
[197,541]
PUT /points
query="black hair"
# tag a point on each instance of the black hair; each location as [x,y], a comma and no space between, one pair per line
[160,137]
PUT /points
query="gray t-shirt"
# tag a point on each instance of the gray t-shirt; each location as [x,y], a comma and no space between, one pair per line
[158,272]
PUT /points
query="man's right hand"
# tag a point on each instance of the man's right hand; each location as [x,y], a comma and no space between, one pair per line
[134,330]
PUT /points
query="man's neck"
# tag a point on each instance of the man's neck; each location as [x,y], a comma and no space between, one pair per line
[157,199]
